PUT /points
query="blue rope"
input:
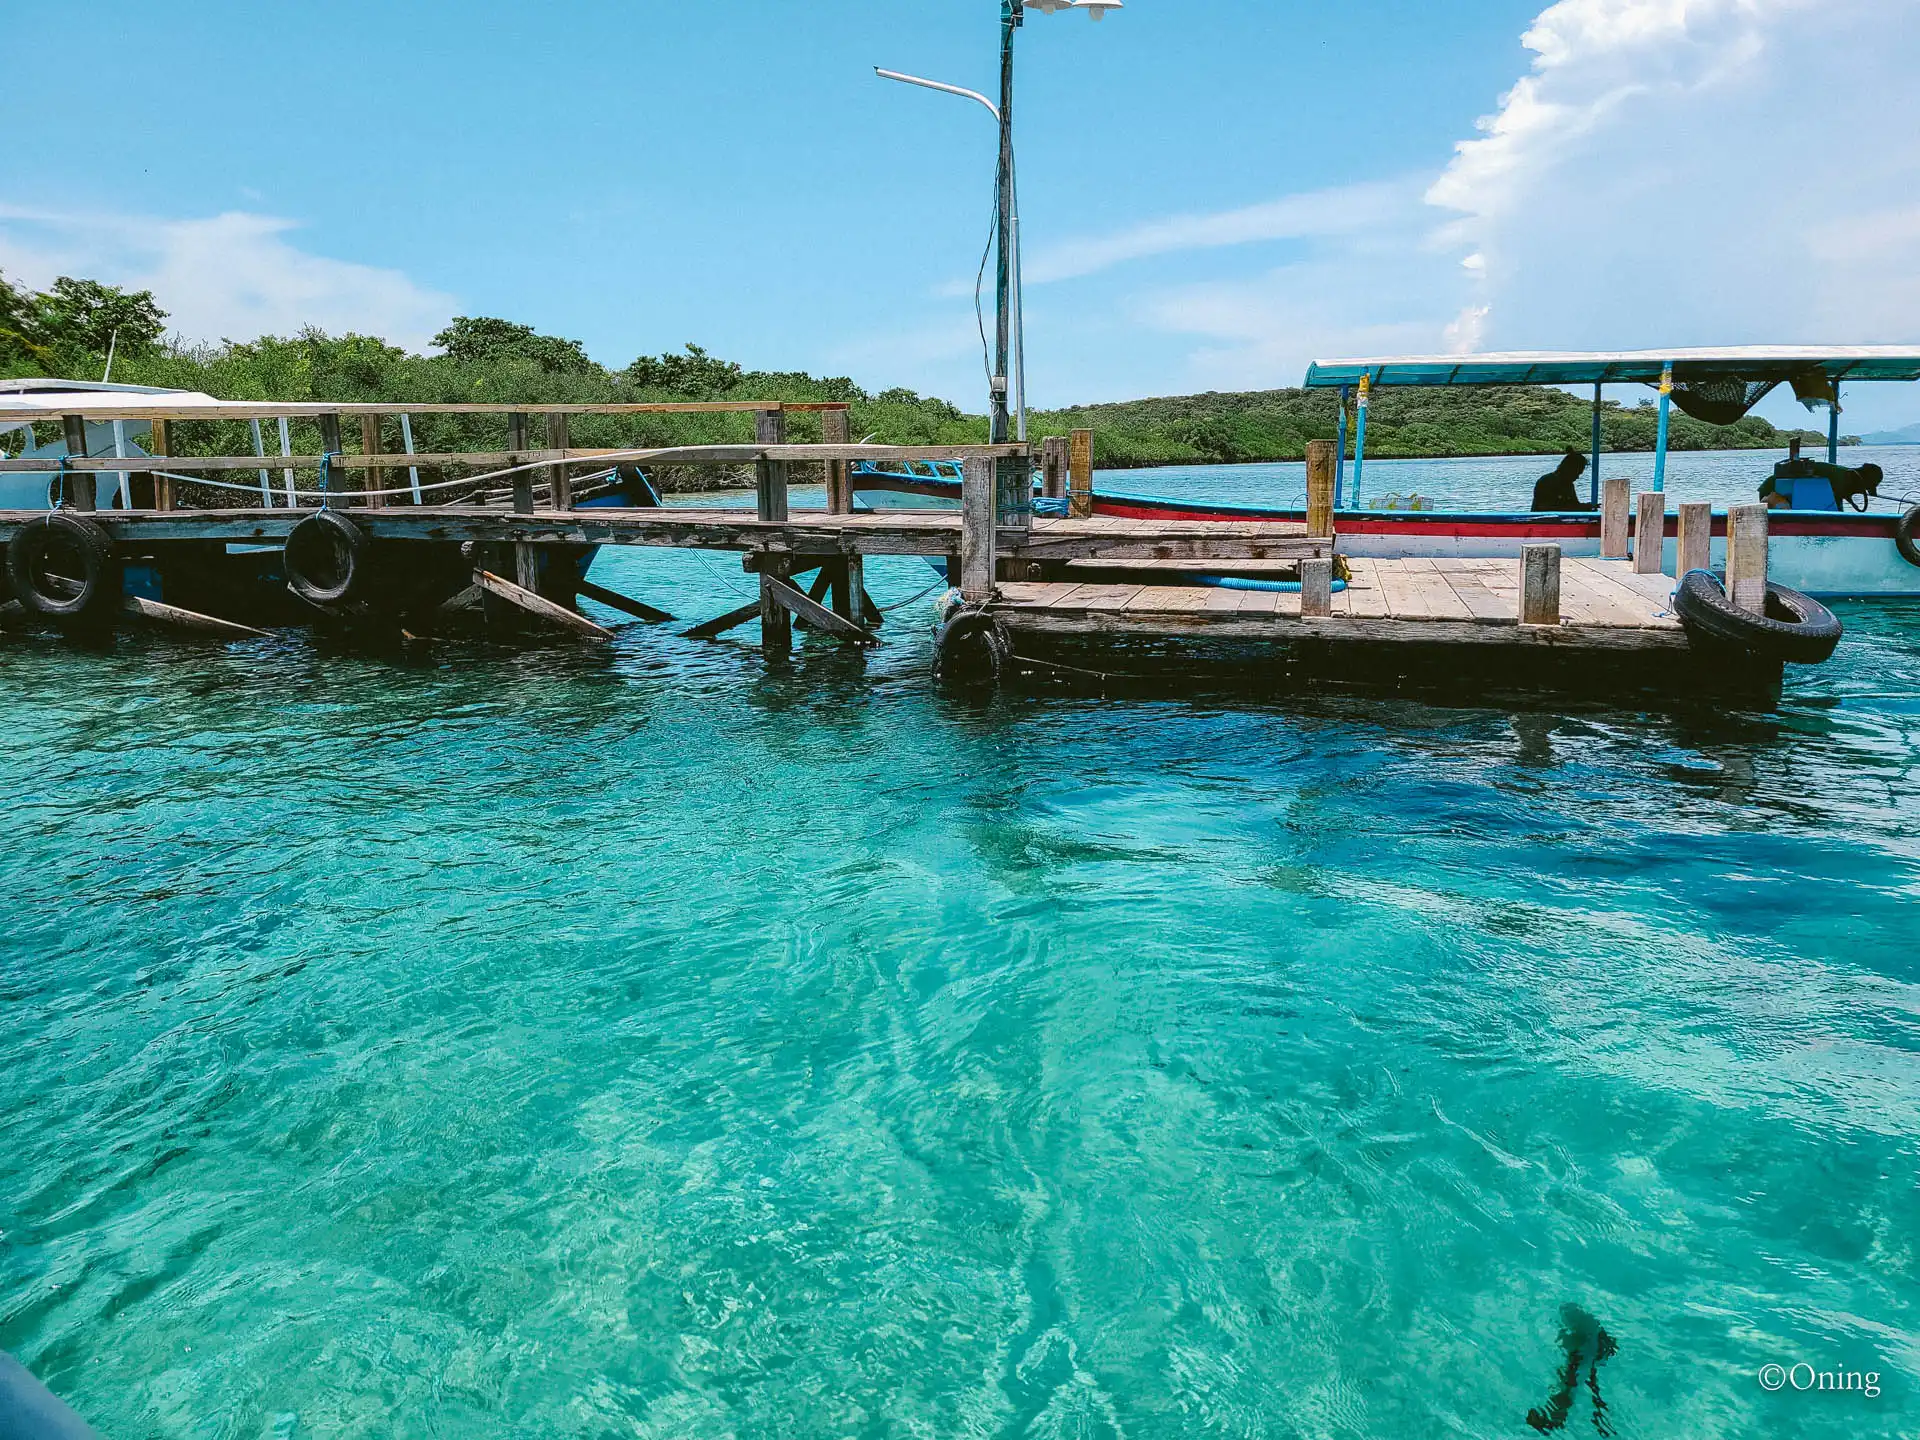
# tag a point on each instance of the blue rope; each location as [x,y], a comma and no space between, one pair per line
[60,500]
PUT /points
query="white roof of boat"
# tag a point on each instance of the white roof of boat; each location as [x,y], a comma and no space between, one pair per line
[1578,367]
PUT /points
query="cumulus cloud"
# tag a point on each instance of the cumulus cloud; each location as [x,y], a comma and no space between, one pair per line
[235,275]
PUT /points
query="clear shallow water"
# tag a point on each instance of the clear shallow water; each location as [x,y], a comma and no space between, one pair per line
[650,1041]
[1505,482]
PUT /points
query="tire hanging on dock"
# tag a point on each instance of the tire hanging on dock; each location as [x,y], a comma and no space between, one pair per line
[326,559]
[972,648]
[63,566]
[1904,538]
[1796,628]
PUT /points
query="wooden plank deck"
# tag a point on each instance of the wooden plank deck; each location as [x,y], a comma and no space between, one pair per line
[1604,605]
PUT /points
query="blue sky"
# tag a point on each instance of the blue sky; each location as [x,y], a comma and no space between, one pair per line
[1214,190]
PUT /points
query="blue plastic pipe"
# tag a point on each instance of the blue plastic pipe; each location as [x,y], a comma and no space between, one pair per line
[1660,442]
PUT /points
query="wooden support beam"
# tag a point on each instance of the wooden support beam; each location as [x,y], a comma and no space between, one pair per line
[1696,539]
[375,478]
[852,585]
[330,445]
[1055,461]
[977,533]
[1615,499]
[770,503]
[815,613]
[558,480]
[776,619]
[709,629]
[80,487]
[614,600]
[158,443]
[1650,533]
[1319,488]
[1316,576]
[835,429]
[538,605]
[1540,583]
[188,619]
[517,448]
[1080,474]
[465,600]
[1747,557]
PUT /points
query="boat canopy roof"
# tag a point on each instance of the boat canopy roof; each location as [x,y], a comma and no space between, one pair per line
[1753,363]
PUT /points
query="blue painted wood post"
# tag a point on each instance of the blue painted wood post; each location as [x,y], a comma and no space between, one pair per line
[1360,438]
[1660,442]
[1593,488]
[1833,427]
[1340,451]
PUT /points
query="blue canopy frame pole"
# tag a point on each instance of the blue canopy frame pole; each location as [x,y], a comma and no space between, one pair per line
[1660,441]
[1833,427]
[1360,438]
[1340,450]
[1593,487]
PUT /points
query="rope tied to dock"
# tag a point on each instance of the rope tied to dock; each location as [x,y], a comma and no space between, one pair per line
[60,484]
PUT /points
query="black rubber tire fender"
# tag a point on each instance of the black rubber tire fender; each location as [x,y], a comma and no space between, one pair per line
[1796,628]
[1904,535]
[326,559]
[85,546]
[972,648]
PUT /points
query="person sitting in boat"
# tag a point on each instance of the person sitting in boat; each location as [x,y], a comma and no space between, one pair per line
[1802,484]
[1554,490]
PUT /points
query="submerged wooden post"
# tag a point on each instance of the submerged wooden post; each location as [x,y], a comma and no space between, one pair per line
[1540,583]
[330,444]
[1615,497]
[836,429]
[770,503]
[1055,459]
[375,479]
[1747,557]
[559,485]
[1695,551]
[158,443]
[977,532]
[1650,533]
[80,483]
[1316,576]
[1319,488]
[1080,466]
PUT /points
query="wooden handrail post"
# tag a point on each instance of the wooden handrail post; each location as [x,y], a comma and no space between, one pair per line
[1055,460]
[836,429]
[1747,557]
[1316,576]
[1650,533]
[1080,482]
[1320,488]
[1615,499]
[158,443]
[517,456]
[80,483]
[770,503]
[977,531]
[560,486]
[330,445]
[1695,550]
[375,478]
[1540,584]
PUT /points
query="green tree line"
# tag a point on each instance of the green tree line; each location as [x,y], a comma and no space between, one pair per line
[69,330]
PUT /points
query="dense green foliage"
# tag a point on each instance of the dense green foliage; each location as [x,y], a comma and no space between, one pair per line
[67,330]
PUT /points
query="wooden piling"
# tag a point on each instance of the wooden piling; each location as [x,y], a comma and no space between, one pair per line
[1319,488]
[1615,500]
[1695,551]
[516,456]
[1747,557]
[770,503]
[375,478]
[80,484]
[560,486]
[836,429]
[977,532]
[1055,460]
[1540,583]
[330,445]
[1316,584]
[1080,468]
[158,443]
[1650,533]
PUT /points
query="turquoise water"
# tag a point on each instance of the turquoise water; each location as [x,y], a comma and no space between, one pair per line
[652,1041]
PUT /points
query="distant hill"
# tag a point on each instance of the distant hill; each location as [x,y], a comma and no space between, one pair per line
[1906,435]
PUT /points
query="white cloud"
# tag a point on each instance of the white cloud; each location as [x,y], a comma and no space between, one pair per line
[226,276]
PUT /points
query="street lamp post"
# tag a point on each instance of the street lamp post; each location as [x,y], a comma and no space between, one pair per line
[1010,346]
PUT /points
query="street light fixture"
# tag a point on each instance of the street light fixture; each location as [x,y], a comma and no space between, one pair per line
[1010,326]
